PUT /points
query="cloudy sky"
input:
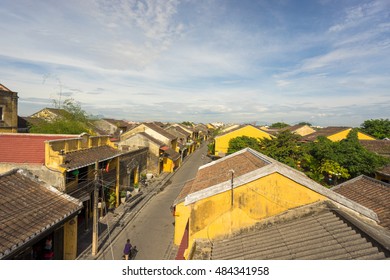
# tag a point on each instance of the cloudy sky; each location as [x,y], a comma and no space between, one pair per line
[326,62]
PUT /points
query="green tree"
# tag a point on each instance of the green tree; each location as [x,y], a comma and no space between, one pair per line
[74,121]
[358,160]
[348,154]
[304,123]
[242,142]
[285,147]
[187,123]
[279,125]
[379,128]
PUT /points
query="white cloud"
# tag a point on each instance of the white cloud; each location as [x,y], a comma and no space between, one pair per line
[215,60]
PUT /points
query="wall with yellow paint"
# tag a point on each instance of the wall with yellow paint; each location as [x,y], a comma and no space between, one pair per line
[182,214]
[222,141]
[168,165]
[214,217]
[70,239]
[344,134]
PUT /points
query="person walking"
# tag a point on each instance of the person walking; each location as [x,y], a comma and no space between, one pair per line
[127,249]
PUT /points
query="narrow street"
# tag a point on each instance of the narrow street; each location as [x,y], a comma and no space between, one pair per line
[152,229]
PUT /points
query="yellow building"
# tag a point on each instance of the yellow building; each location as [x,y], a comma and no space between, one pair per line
[222,141]
[334,133]
[8,110]
[238,191]
[168,159]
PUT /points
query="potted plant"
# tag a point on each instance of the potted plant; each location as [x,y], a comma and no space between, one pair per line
[123,196]
[136,187]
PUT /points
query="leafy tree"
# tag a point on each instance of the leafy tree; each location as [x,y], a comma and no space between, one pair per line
[304,123]
[358,160]
[187,123]
[344,157]
[60,126]
[75,121]
[379,128]
[285,147]
[242,142]
[279,125]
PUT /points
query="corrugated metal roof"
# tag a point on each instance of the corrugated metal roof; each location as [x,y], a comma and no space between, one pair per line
[315,232]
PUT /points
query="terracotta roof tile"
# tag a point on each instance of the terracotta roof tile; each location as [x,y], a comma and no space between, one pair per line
[381,147]
[220,171]
[28,208]
[385,170]
[370,193]
[26,148]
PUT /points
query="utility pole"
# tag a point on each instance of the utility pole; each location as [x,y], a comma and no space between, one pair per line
[95,212]
[231,185]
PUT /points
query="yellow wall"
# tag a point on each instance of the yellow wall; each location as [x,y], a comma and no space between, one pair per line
[362,136]
[70,239]
[343,135]
[222,142]
[268,196]
[182,214]
[168,165]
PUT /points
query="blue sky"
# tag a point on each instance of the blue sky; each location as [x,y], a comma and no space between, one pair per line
[326,62]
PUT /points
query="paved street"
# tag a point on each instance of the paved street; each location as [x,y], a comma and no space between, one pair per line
[152,228]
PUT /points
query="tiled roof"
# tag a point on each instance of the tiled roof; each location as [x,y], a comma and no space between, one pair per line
[26,148]
[172,154]
[28,208]
[327,131]
[385,170]
[184,192]
[82,158]
[381,147]
[221,171]
[118,123]
[249,166]
[314,232]
[154,140]
[180,130]
[160,131]
[370,193]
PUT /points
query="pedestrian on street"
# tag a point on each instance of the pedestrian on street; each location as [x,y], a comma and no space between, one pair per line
[127,249]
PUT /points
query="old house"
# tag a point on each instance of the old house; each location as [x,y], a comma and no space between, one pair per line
[111,127]
[335,133]
[36,221]
[170,159]
[8,110]
[184,142]
[221,142]
[70,162]
[237,192]
[155,160]
[371,193]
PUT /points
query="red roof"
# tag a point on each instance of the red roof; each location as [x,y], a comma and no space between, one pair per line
[26,148]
